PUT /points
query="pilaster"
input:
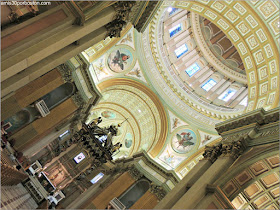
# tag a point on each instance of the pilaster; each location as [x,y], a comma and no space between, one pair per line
[181,188]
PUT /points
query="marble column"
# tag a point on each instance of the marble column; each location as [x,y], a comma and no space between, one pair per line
[198,190]
[180,189]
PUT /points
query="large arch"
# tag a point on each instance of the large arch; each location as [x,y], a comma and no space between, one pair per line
[253,179]
[163,121]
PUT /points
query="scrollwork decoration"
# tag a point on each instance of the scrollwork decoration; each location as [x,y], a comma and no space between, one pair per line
[233,149]
[122,9]
[66,73]
[158,191]
[78,100]
[135,173]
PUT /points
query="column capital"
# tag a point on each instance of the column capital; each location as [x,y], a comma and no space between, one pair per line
[157,191]
[135,173]
[65,72]
[232,149]
[122,9]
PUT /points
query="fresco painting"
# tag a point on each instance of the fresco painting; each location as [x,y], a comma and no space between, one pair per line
[120,60]
[128,140]
[171,159]
[108,114]
[183,141]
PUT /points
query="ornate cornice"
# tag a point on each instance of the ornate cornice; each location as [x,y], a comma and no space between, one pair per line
[135,173]
[171,175]
[253,127]
[82,99]
[158,167]
[259,116]
[142,13]
[137,11]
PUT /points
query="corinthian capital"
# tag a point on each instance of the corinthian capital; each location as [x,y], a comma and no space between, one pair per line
[122,8]
[233,149]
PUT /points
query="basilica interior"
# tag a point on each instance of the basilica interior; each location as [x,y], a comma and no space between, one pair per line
[140,104]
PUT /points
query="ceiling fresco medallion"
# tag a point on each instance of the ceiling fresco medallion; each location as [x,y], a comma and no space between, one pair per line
[183,141]
[120,60]
[128,140]
[108,114]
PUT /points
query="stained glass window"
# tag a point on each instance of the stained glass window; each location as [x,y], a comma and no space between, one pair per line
[209,84]
[175,30]
[79,157]
[97,178]
[66,133]
[181,50]
[192,69]
[225,96]
[173,11]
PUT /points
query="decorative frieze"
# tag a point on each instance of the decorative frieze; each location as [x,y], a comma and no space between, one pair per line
[236,136]
[270,132]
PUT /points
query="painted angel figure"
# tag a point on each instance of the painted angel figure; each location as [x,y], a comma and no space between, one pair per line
[175,122]
[184,139]
[136,72]
[206,138]
[120,59]
[169,159]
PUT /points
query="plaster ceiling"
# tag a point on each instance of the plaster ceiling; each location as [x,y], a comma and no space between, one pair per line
[166,108]
[139,109]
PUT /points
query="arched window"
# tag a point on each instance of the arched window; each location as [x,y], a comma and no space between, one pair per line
[134,193]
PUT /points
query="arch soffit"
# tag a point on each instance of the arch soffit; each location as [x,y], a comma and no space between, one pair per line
[256,166]
[252,156]
[162,113]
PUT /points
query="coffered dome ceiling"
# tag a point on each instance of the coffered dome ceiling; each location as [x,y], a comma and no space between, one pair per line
[192,71]
[165,93]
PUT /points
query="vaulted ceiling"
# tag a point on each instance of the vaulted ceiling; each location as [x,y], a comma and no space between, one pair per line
[234,42]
